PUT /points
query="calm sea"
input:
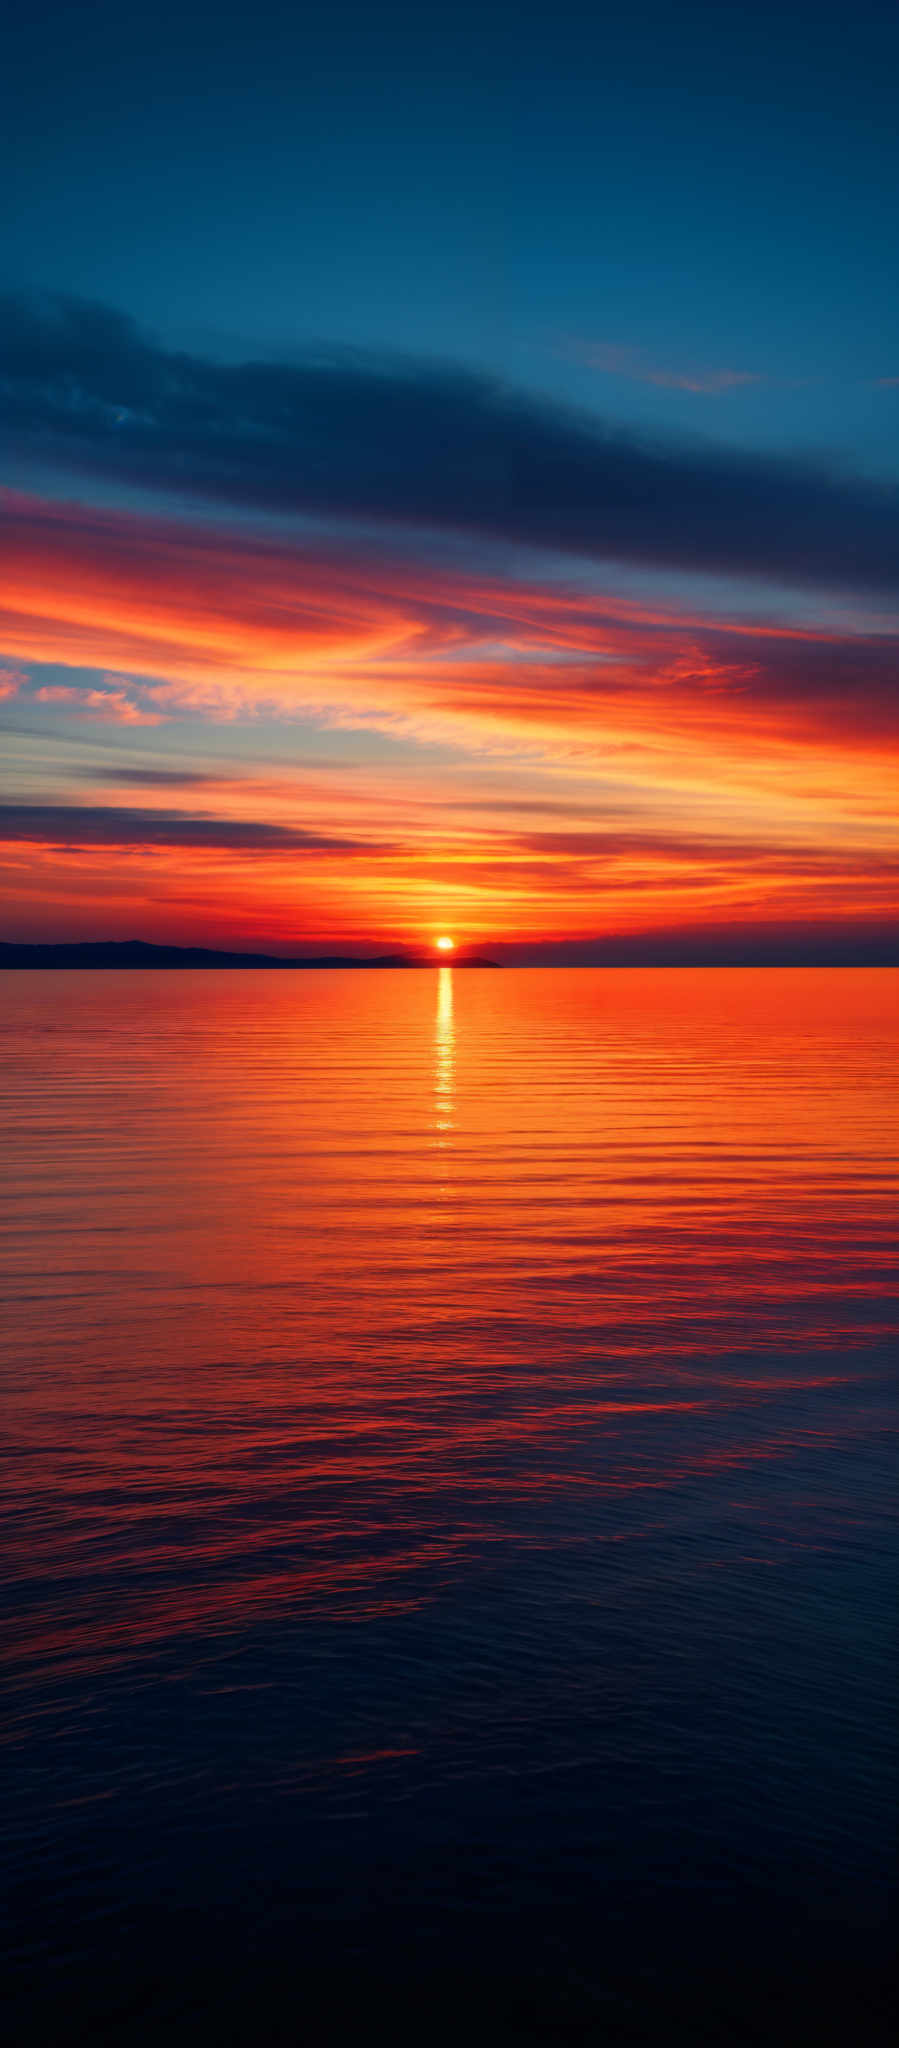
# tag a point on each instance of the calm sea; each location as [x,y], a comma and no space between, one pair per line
[448,1531]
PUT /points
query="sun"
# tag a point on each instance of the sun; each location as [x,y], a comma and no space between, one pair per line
[445,945]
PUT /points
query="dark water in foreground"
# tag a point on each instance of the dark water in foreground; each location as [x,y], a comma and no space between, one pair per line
[449,1543]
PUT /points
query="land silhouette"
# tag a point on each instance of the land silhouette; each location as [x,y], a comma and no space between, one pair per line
[142,953]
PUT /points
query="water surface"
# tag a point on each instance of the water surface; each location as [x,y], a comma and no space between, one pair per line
[450,1552]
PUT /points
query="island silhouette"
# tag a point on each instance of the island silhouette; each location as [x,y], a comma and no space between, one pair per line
[143,953]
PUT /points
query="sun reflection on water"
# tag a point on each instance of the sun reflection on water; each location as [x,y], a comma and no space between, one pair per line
[444,1054]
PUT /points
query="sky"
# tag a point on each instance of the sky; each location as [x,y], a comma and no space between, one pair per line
[449,478]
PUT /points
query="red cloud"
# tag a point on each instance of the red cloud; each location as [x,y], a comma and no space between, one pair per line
[228,622]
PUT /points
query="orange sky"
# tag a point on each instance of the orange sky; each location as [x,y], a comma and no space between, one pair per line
[249,735]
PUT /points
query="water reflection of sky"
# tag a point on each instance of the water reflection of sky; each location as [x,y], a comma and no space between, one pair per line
[451,1478]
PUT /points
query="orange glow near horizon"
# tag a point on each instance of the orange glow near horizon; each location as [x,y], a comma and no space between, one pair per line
[532,763]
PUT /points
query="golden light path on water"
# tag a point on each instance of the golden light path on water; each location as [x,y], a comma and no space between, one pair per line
[444,1048]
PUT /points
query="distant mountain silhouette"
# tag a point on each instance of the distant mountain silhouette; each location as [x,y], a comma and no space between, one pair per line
[141,953]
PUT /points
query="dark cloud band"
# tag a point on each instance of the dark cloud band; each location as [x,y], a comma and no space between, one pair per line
[81,386]
[83,825]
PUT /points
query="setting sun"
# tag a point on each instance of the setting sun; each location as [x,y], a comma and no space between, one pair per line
[445,945]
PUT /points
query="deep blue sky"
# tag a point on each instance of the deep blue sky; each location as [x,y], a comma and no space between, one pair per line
[701,188]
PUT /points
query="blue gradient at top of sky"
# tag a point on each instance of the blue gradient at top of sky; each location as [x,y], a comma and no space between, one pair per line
[583,200]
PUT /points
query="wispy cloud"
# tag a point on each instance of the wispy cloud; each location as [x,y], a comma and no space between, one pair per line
[615,360]
[111,707]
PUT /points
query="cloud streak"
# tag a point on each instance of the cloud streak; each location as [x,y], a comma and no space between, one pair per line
[151,778]
[114,825]
[616,361]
